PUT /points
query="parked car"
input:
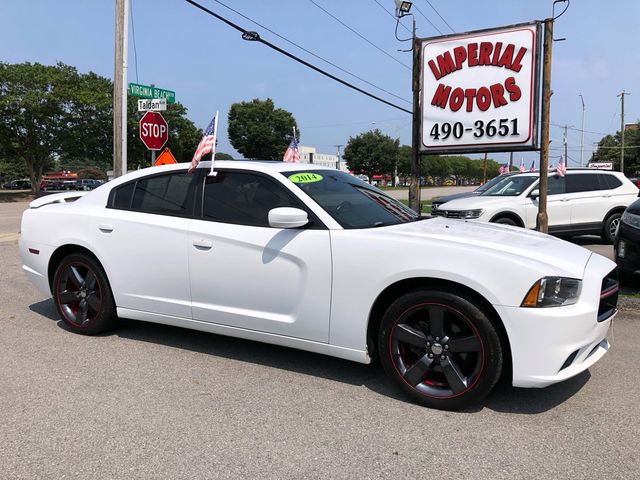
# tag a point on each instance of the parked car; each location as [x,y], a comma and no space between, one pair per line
[87,184]
[436,202]
[635,181]
[17,185]
[52,186]
[584,201]
[627,243]
[313,258]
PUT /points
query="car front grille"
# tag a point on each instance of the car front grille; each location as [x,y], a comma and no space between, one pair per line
[608,296]
[448,213]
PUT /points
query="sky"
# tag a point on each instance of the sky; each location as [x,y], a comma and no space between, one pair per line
[209,66]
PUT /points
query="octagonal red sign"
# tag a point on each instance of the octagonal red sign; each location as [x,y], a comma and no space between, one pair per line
[154,130]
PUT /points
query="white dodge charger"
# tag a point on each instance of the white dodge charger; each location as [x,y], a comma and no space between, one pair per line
[315,259]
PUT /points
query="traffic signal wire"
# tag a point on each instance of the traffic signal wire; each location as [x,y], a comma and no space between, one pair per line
[312,53]
[253,36]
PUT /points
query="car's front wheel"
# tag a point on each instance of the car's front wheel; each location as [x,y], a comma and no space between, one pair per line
[440,348]
[610,228]
[82,295]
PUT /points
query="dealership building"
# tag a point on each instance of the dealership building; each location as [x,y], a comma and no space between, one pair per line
[309,155]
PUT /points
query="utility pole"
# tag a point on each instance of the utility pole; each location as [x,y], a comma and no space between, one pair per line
[564,141]
[582,132]
[542,219]
[484,173]
[510,161]
[338,162]
[120,89]
[622,129]
[414,185]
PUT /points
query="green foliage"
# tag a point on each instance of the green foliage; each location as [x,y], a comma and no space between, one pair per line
[372,153]
[609,150]
[223,156]
[52,117]
[259,130]
[91,172]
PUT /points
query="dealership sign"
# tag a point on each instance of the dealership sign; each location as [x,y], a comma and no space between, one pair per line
[480,90]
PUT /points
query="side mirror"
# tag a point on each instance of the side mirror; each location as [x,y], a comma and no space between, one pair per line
[535,193]
[287,217]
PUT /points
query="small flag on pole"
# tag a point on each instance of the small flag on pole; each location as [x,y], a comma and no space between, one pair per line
[504,169]
[292,155]
[561,169]
[533,166]
[206,145]
[522,165]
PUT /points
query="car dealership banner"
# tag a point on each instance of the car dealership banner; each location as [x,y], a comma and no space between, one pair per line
[480,90]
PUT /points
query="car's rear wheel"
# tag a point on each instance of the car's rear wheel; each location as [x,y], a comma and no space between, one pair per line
[610,228]
[440,348]
[82,295]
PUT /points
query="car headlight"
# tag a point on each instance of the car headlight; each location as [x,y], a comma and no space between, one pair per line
[553,292]
[631,219]
[468,214]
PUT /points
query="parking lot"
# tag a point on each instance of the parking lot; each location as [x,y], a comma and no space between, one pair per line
[152,401]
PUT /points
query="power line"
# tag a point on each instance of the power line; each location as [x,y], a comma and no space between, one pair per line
[579,130]
[425,17]
[441,17]
[253,36]
[361,36]
[311,53]
[395,19]
[133,34]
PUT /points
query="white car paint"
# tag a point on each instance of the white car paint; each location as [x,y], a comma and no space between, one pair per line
[314,289]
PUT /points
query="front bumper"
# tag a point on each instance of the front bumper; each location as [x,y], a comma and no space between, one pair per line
[628,257]
[549,345]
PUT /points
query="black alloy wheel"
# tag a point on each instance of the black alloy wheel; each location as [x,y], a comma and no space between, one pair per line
[82,295]
[440,348]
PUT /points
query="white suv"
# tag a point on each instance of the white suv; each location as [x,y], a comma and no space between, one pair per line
[582,202]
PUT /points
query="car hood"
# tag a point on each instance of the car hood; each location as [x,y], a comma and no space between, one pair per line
[477,201]
[561,257]
[454,196]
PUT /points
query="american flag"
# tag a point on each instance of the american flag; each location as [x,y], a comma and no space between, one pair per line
[206,145]
[292,154]
[521,165]
[561,169]
[504,169]
[533,166]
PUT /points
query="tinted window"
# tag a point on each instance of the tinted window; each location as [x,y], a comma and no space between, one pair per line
[164,194]
[610,181]
[243,198]
[122,198]
[556,185]
[582,182]
[510,186]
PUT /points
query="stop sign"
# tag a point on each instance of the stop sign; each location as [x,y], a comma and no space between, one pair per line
[154,131]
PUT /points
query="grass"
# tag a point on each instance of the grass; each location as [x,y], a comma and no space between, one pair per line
[425,205]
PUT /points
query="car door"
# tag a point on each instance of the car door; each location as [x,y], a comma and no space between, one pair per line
[588,198]
[142,240]
[558,206]
[246,274]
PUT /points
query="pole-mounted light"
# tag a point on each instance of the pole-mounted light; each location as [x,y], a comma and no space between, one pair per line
[402,8]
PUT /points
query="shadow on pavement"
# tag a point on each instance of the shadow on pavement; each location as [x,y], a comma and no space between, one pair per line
[504,398]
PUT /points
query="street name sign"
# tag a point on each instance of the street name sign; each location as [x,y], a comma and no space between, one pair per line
[152,104]
[154,130]
[479,90]
[148,91]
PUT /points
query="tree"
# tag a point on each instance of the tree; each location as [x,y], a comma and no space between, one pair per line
[259,130]
[609,150]
[92,172]
[223,156]
[372,153]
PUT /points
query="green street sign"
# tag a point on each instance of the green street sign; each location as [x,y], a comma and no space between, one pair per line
[147,91]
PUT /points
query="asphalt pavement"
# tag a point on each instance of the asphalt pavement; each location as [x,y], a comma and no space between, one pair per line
[153,401]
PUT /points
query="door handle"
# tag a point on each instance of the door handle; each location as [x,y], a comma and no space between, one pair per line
[104,228]
[203,244]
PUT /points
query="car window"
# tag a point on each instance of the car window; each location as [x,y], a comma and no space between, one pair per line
[510,186]
[556,184]
[244,198]
[350,201]
[611,181]
[582,182]
[170,194]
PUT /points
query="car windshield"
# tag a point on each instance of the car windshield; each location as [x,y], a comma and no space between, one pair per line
[350,201]
[510,186]
[489,184]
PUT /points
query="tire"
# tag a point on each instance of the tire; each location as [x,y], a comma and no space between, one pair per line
[82,295]
[440,348]
[505,221]
[610,228]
